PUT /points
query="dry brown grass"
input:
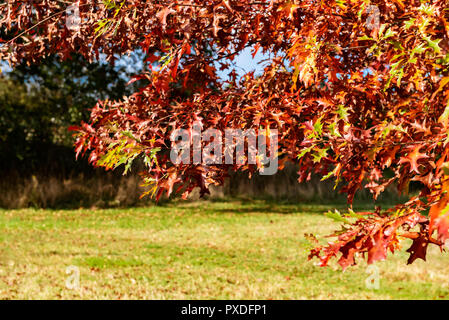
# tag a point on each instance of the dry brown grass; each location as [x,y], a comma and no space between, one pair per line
[78,191]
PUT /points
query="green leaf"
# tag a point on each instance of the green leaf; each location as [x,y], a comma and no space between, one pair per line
[318,127]
[336,215]
[342,112]
[130,135]
[304,152]
[400,75]
[434,44]
[390,33]
[408,24]
[322,153]
[365,37]
[419,49]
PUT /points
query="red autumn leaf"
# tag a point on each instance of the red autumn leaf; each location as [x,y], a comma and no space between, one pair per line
[163,14]
[418,250]
[413,157]
[439,215]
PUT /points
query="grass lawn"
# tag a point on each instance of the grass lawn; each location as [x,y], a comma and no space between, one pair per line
[193,250]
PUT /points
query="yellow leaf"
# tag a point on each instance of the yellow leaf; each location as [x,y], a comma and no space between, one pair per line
[443,83]
[400,4]
[444,118]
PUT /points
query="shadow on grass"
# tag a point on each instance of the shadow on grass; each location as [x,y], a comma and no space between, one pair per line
[248,206]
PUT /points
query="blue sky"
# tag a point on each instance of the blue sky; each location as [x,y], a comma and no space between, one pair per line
[245,63]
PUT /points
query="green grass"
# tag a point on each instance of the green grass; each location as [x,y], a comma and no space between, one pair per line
[199,250]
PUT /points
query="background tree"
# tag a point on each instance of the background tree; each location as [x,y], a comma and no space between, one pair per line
[364,103]
[40,101]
